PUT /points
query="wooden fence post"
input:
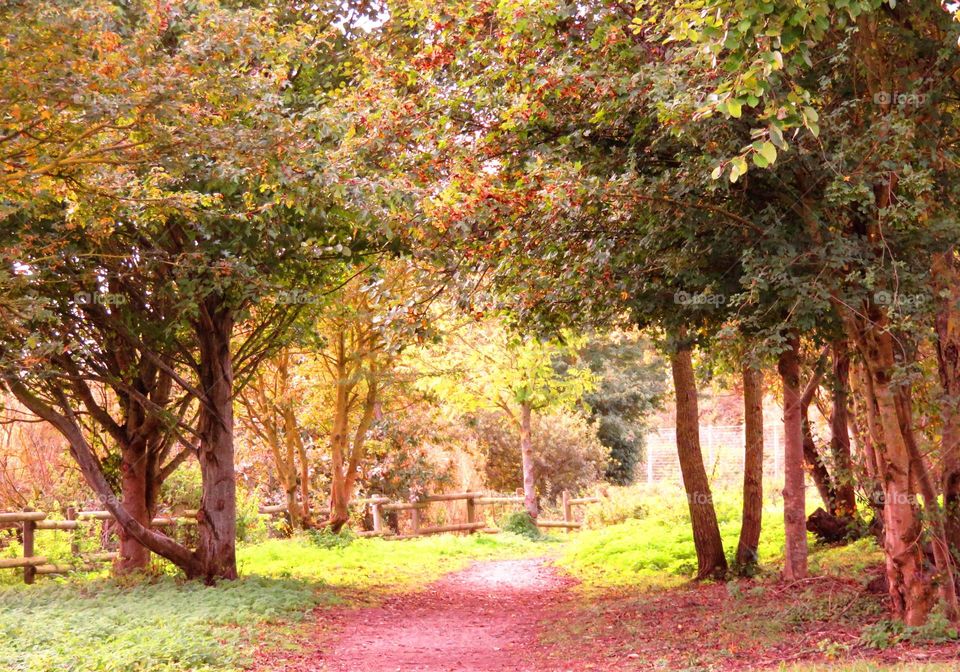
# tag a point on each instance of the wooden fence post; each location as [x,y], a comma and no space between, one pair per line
[29,572]
[415,516]
[471,512]
[567,508]
[74,546]
[377,514]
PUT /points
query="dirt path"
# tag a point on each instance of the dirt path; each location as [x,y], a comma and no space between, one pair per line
[480,619]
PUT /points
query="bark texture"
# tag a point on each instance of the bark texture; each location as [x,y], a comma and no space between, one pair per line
[794,495]
[752,468]
[217,517]
[910,583]
[711,560]
[529,466]
[845,500]
[946,273]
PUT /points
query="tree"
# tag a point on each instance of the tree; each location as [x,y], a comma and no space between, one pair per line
[378,311]
[794,491]
[630,384]
[567,453]
[706,532]
[269,401]
[882,199]
[205,231]
[486,366]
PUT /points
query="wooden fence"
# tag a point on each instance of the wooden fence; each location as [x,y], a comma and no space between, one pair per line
[473,501]
[31,522]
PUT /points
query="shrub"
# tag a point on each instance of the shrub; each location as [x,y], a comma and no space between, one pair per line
[620,505]
[521,524]
[327,539]
[567,453]
[887,633]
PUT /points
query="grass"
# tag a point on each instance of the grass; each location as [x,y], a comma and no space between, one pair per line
[100,625]
[378,563]
[162,626]
[654,543]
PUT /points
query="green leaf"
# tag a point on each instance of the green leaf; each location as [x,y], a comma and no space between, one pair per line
[776,137]
[769,152]
[739,168]
[735,107]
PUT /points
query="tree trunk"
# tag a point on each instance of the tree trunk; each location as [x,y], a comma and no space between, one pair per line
[711,560]
[291,438]
[66,423]
[813,460]
[911,588]
[217,518]
[339,496]
[932,513]
[794,495]
[293,507]
[304,482]
[866,412]
[134,488]
[845,500]
[752,468]
[526,455]
[946,272]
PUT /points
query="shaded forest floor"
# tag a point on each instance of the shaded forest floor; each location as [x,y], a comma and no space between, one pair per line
[528,615]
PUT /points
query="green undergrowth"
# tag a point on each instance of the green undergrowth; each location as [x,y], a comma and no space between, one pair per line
[851,560]
[522,524]
[162,624]
[650,541]
[380,563]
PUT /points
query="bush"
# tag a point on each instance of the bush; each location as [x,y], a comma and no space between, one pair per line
[521,524]
[884,634]
[620,505]
[327,539]
[567,453]
[183,488]
[251,527]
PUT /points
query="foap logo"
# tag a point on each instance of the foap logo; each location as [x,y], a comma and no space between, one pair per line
[910,301]
[898,99]
[105,501]
[700,498]
[295,297]
[682,298]
[99,299]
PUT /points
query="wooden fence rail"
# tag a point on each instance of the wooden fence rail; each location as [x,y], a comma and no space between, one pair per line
[31,522]
[473,500]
